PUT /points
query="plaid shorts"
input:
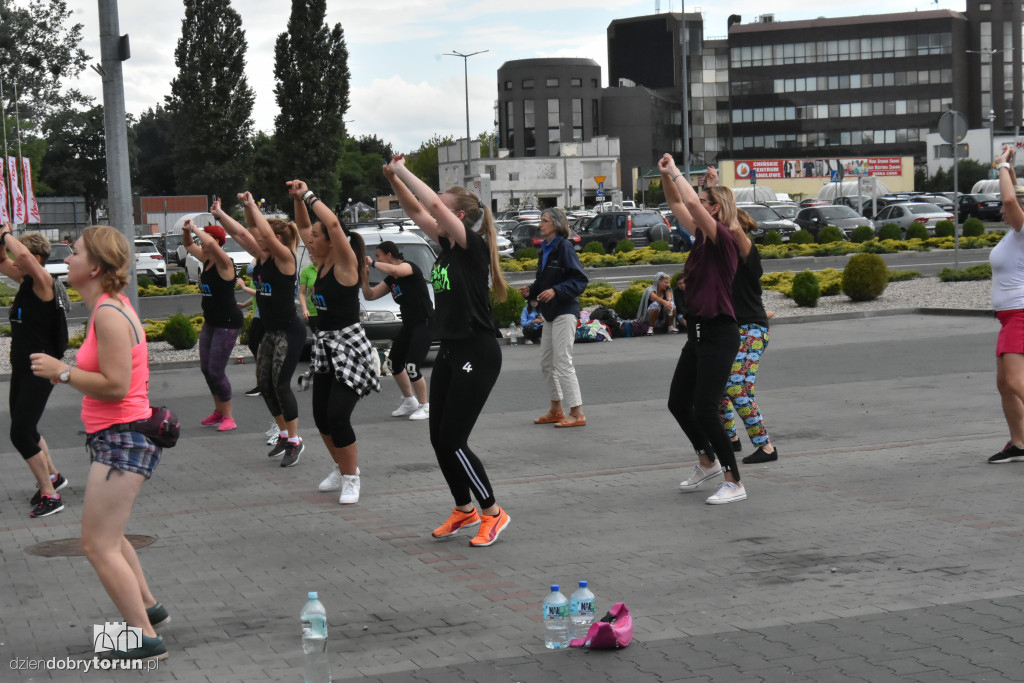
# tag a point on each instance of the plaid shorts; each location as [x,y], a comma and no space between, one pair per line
[124,450]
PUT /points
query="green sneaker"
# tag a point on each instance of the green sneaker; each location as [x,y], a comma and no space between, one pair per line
[152,649]
[158,615]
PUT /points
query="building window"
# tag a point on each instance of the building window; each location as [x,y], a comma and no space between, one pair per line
[577,113]
[509,128]
[551,83]
[508,85]
[594,110]
[576,82]
[527,83]
[553,123]
[553,142]
[513,177]
[594,83]
[528,114]
[530,142]
[553,113]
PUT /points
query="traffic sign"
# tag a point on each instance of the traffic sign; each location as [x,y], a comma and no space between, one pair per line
[753,176]
[952,125]
[599,179]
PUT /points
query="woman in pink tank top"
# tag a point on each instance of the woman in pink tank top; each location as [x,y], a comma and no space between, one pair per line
[112,371]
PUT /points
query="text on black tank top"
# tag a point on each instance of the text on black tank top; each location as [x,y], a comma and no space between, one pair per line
[219,307]
[337,305]
[411,294]
[462,298]
[275,296]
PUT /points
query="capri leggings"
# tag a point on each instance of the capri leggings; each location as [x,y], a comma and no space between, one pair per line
[739,391]
[276,360]
[27,401]
[215,347]
[464,374]
[333,403]
[410,349]
[699,383]
[255,335]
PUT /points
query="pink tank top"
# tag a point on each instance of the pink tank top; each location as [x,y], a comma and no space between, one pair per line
[98,415]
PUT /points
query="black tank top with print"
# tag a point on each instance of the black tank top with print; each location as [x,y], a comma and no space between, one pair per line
[219,306]
[275,294]
[32,325]
[337,305]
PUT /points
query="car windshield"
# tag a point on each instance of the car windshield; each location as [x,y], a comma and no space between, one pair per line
[786,211]
[924,208]
[985,197]
[58,252]
[420,254]
[145,247]
[760,213]
[833,212]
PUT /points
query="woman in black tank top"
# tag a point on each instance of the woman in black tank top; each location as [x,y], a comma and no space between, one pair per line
[34,317]
[343,368]
[273,243]
[222,317]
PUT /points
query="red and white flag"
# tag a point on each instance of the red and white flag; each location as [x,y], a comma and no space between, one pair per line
[16,196]
[4,214]
[31,207]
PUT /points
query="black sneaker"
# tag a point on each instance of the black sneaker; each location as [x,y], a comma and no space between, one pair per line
[1010,453]
[158,615]
[737,445]
[760,456]
[58,483]
[47,506]
[152,649]
[292,452]
[255,391]
[279,448]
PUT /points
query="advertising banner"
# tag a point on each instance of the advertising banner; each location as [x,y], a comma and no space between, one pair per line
[31,207]
[4,214]
[773,169]
[16,197]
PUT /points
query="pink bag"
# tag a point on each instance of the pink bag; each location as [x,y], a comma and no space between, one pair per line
[614,630]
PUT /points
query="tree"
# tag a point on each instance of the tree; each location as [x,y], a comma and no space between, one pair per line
[75,163]
[311,70]
[211,101]
[264,181]
[423,162]
[155,140]
[38,48]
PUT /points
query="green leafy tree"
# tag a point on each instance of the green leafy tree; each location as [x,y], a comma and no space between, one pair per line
[75,161]
[264,181]
[154,137]
[311,70]
[423,162]
[359,169]
[211,101]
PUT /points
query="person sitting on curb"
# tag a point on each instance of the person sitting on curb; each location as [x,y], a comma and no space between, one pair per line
[657,308]
[531,321]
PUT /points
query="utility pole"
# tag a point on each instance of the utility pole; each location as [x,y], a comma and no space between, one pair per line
[465,73]
[685,100]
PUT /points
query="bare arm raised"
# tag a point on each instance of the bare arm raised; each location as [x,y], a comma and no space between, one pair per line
[236,230]
[1012,211]
[446,223]
[347,265]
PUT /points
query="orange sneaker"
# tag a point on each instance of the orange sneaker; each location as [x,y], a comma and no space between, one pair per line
[490,527]
[456,521]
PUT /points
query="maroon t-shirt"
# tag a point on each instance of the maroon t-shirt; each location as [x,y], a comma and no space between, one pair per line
[708,275]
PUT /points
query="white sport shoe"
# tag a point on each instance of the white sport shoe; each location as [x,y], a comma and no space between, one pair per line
[699,476]
[334,480]
[421,413]
[728,493]
[349,489]
[409,405]
[272,434]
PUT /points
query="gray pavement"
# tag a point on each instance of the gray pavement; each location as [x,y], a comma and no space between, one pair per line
[879,547]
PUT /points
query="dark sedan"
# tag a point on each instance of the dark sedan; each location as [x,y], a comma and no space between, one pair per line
[768,220]
[813,219]
[527,234]
[980,206]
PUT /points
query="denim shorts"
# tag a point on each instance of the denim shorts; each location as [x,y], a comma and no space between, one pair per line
[124,450]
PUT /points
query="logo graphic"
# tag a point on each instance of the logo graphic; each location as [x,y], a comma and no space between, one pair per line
[439,278]
[205,290]
[265,288]
[116,636]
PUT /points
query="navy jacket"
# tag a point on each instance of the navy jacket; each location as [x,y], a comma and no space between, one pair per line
[563,273]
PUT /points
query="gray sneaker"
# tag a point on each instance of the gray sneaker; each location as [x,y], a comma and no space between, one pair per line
[699,476]
[292,452]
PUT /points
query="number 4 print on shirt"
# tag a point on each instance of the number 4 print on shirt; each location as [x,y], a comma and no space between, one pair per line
[467,367]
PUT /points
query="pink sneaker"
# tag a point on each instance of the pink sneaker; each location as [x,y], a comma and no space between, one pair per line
[215,419]
[227,425]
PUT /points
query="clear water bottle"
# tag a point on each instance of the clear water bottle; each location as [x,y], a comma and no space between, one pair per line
[556,620]
[513,335]
[317,667]
[581,610]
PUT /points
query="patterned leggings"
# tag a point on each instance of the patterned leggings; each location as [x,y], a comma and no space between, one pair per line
[739,391]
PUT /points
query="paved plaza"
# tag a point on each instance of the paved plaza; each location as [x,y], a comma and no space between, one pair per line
[880,547]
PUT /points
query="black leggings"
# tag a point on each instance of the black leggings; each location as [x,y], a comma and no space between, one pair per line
[276,361]
[410,349]
[699,384]
[255,335]
[464,374]
[27,402]
[333,403]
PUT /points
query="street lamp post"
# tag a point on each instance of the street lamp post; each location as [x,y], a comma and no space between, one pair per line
[991,136]
[465,73]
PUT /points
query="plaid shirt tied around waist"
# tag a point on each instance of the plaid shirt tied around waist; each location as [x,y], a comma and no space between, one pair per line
[349,351]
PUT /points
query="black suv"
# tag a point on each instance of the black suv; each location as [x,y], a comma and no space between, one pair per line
[611,227]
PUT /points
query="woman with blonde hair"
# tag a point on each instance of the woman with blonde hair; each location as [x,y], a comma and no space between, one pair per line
[469,360]
[34,320]
[111,369]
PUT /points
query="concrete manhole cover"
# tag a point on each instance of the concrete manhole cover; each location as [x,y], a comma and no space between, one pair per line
[72,547]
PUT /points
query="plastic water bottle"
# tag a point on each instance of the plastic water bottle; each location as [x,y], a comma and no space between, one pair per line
[582,606]
[556,620]
[317,668]
[513,335]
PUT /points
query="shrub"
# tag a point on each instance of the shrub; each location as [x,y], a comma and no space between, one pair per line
[598,293]
[862,233]
[526,253]
[771,237]
[146,281]
[973,227]
[179,333]
[944,229]
[917,231]
[243,335]
[5,330]
[875,247]
[890,231]
[981,271]
[629,301]
[660,245]
[902,275]
[830,233]
[801,237]
[508,311]
[806,289]
[624,246]
[180,278]
[594,248]
[674,280]
[865,277]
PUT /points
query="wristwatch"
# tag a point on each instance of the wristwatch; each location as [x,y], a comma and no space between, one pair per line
[65,376]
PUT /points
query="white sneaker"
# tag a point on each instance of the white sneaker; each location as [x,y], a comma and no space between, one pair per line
[728,493]
[421,413]
[272,434]
[409,405]
[334,480]
[349,489]
[699,476]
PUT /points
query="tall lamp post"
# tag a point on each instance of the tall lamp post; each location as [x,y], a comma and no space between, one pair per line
[686,98]
[991,112]
[465,73]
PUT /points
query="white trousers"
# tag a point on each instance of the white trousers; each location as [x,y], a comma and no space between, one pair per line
[556,360]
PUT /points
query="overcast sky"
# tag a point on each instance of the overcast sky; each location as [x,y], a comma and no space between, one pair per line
[402,89]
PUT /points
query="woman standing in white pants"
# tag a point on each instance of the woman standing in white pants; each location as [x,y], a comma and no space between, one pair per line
[560,281]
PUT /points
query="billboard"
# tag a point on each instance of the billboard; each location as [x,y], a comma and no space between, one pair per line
[771,169]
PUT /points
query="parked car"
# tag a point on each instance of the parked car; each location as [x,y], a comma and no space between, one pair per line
[168,244]
[505,226]
[938,200]
[768,220]
[527,234]
[611,227]
[785,209]
[149,261]
[908,213]
[813,201]
[814,218]
[680,238]
[240,257]
[55,263]
[980,206]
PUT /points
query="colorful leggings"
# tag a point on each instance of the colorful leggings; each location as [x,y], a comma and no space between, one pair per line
[739,391]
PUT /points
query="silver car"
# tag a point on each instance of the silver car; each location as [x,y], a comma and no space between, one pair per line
[908,213]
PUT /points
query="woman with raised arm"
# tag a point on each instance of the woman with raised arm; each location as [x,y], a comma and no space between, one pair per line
[34,318]
[469,360]
[1007,259]
[343,369]
[222,319]
[712,336]
[112,371]
[273,243]
[405,281]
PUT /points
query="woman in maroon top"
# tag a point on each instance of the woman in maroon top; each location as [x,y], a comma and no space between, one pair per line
[712,336]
